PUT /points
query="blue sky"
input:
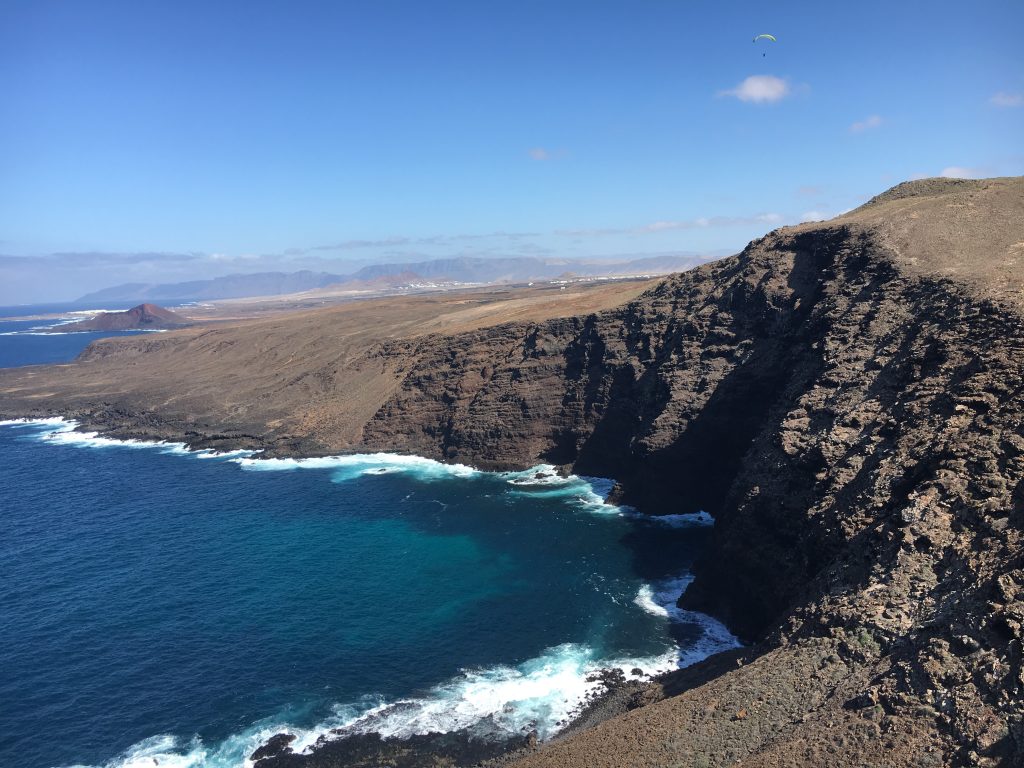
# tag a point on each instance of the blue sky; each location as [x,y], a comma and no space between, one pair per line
[165,141]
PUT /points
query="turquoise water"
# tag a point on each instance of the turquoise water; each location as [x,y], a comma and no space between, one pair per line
[184,606]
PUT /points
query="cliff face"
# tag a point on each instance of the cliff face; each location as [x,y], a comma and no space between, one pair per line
[846,398]
[855,424]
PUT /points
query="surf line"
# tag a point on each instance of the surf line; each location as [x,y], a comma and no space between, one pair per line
[543,694]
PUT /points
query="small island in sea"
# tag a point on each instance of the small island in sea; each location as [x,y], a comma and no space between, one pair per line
[144,317]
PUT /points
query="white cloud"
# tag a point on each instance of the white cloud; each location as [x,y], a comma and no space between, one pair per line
[1004,99]
[813,216]
[539,153]
[760,89]
[869,122]
[960,172]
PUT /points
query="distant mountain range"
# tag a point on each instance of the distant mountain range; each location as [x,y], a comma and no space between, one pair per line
[458,270]
[228,287]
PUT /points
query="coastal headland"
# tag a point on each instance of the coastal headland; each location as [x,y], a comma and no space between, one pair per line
[845,397]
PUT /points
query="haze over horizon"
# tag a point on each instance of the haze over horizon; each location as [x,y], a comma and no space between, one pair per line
[160,144]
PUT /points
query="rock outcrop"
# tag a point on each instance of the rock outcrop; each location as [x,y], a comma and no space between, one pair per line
[847,398]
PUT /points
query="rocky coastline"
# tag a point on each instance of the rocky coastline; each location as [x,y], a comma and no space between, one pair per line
[463,748]
[846,398]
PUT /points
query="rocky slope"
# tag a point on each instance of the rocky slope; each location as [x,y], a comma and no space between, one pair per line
[867,472]
[296,383]
[847,398]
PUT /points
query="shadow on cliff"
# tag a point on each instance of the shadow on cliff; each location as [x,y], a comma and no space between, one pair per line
[699,468]
[770,547]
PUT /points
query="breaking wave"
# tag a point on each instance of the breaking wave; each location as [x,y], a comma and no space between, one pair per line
[356,465]
[659,599]
[65,432]
[588,494]
[541,695]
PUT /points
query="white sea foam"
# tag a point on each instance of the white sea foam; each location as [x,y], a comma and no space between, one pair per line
[589,494]
[585,493]
[542,694]
[162,750]
[659,599]
[540,475]
[645,599]
[238,453]
[541,481]
[345,468]
[64,432]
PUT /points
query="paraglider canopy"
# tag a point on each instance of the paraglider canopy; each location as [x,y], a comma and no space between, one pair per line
[765,37]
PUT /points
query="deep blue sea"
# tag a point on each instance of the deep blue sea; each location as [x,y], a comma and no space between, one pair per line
[161,604]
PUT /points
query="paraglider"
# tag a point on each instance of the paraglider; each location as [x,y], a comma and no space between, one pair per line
[764,37]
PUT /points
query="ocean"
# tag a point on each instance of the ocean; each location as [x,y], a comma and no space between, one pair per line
[158,604]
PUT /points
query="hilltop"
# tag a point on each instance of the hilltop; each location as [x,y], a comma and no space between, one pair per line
[142,317]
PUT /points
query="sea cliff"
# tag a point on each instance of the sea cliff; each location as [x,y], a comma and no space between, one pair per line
[846,398]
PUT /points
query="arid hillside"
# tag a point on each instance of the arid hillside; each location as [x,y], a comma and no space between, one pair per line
[303,382]
[846,397]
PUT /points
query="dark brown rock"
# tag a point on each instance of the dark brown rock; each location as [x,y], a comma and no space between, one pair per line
[276,745]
